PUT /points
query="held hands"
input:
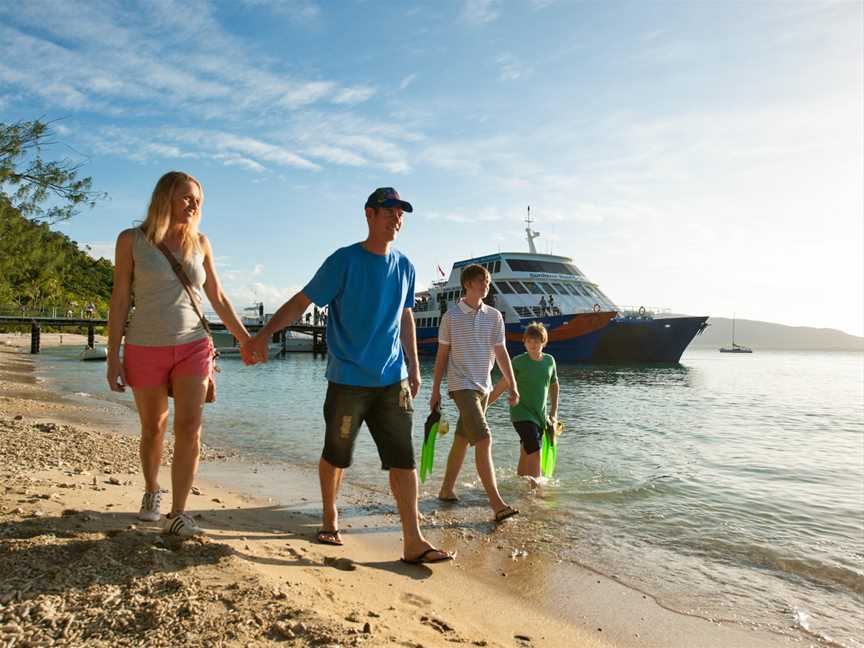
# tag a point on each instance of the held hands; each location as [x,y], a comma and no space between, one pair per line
[116,375]
[254,350]
[513,397]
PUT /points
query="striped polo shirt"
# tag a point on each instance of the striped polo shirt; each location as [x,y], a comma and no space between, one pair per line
[472,336]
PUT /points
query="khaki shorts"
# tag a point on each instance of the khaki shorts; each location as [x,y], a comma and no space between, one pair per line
[472,423]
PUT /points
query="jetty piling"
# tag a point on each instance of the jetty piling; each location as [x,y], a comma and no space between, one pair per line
[34,338]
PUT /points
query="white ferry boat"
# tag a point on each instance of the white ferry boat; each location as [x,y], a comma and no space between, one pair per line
[584,324]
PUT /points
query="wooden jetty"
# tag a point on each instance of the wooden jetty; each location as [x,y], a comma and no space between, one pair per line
[318,333]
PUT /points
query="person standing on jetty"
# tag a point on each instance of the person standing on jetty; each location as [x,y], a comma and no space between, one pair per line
[165,341]
[470,340]
[369,289]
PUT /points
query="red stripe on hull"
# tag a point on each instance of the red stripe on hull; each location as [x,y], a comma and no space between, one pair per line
[578,324]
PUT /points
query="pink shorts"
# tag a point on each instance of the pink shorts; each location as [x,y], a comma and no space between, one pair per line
[151,366]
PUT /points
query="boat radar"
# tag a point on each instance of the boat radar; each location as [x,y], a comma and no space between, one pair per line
[531,233]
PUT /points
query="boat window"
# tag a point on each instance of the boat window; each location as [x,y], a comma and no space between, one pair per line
[534,288]
[526,265]
[497,266]
[505,288]
[559,288]
[546,287]
[492,290]
[434,321]
[519,265]
[519,288]
[572,289]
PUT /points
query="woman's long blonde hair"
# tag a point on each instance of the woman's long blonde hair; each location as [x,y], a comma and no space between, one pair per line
[158,219]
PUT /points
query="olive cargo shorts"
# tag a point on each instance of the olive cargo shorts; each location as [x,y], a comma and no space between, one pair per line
[388,413]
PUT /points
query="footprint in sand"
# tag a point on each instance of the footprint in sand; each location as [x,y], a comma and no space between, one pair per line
[344,564]
[441,626]
[417,601]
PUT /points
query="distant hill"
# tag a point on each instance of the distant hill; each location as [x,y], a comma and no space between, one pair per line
[767,335]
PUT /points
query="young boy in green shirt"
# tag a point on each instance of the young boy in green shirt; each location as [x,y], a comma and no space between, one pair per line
[537,380]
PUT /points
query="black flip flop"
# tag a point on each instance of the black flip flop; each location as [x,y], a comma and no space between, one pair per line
[506,512]
[333,536]
[423,560]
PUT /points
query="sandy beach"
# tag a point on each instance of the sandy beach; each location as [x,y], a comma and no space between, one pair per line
[78,568]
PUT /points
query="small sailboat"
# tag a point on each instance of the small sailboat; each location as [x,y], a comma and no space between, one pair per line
[735,348]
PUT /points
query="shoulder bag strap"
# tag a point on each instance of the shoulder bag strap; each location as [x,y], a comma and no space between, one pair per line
[184,279]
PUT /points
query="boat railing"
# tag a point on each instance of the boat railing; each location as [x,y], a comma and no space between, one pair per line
[643,311]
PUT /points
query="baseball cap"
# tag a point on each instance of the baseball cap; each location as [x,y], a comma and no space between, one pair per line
[387,197]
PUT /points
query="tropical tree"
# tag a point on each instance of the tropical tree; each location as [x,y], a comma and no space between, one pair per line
[28,181]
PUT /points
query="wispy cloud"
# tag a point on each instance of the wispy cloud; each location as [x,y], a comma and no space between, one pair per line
[407,81]
[510,69]
[111,59]
[478,12]
[239,161]
[537,5]
[296,9]
[356,94]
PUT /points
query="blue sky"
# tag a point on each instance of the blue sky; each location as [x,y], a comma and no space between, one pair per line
[705,157]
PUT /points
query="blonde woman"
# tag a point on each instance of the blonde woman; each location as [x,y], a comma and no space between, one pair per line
[165,341]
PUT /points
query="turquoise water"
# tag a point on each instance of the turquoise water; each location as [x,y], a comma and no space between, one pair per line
[730,486]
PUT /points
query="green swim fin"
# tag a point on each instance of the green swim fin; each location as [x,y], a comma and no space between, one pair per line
[544,455]
[427,453]
[549,448]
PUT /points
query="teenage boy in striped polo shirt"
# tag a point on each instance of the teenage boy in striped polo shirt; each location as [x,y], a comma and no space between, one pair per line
[470,339]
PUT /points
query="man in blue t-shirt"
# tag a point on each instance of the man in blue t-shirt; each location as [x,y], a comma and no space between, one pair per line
[368,288]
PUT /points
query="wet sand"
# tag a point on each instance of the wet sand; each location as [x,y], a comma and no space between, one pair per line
[79,569]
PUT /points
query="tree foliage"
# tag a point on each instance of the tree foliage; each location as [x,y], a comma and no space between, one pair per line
[27,181]
[41,269]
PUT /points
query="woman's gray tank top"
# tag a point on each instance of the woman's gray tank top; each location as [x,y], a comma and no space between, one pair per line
[163,313]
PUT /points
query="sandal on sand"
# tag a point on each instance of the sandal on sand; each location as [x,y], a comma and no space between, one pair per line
[424,558]
[504,513]
[452,498]
[329,537]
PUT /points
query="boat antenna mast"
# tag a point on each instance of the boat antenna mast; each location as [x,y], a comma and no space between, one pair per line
[530,232]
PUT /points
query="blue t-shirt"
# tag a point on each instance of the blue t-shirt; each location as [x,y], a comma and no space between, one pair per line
[366,294]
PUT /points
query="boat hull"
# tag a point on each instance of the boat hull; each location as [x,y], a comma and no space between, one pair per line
[588,338]
[651,341]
